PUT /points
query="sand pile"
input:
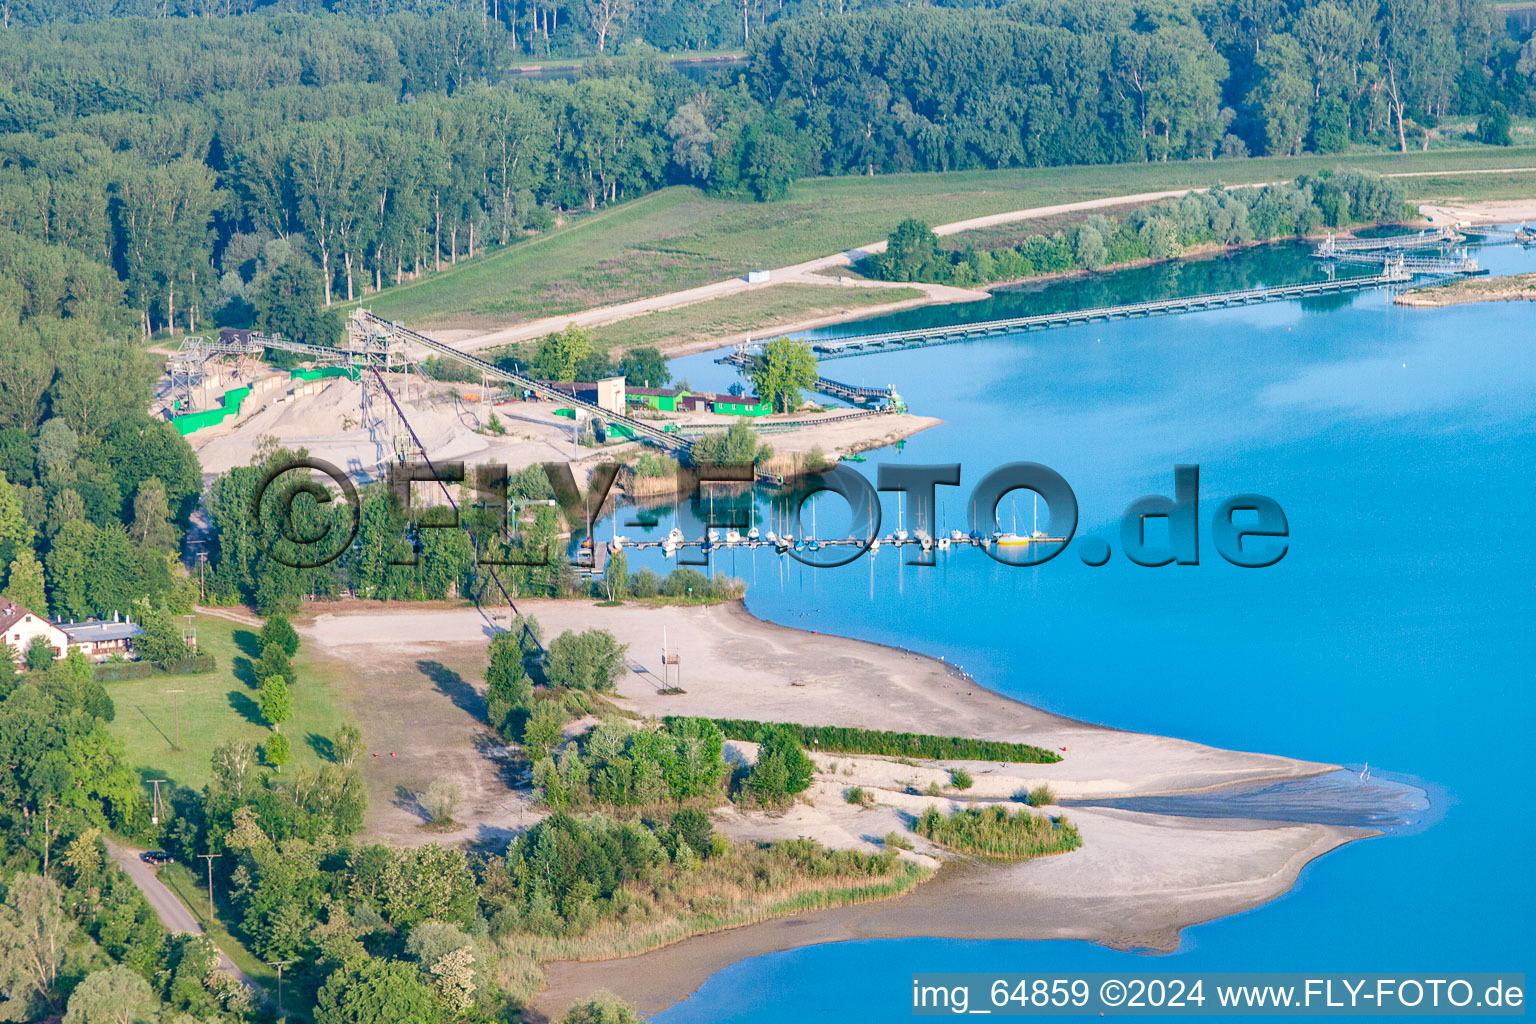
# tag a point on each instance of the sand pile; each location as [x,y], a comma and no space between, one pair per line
[329,424]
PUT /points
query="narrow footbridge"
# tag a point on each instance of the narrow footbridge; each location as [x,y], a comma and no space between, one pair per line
[1390,243]
[923,337]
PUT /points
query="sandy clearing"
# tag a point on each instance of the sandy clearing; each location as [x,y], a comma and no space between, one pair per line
[328,425]
[413,678]
[735,665]
[1494,211]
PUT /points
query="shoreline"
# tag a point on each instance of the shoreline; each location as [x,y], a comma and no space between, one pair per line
[974,901]
[1138,881]
[1467,291]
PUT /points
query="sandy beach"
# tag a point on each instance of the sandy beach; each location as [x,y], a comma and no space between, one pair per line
[1138,880]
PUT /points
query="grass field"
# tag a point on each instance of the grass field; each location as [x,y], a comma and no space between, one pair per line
[1505,185]
[679,237]
[217,706]
[755,311]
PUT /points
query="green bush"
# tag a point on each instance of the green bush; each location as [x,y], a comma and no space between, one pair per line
[994,832]
[960,778]
[116,671]
[782,770]
[654,465]
[645,583]
[591,660]
[1040,796]
[694,828]
[737,445]
[846,740]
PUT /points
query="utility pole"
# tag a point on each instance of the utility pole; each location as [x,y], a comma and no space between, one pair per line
[176,710]
[210,858]
[155,808]
[280,964]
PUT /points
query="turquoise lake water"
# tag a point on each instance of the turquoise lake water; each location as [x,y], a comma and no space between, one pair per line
[1399,630]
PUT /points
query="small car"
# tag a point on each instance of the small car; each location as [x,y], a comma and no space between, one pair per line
[156,857]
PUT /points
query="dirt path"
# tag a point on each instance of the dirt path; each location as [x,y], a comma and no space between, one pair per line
[167,907]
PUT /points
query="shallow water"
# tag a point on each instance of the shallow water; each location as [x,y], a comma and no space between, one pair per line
[1397,630]
[1357,797]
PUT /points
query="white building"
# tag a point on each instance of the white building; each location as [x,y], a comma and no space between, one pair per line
[18,628]
[100,639]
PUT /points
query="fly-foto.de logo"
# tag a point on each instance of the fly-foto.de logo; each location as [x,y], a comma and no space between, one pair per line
[1247,530]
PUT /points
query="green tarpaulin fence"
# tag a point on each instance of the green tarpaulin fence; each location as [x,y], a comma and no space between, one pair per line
[229,405]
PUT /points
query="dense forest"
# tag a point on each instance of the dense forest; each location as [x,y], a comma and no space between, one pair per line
[196,161]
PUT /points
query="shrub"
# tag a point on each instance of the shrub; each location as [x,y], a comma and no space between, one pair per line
[897,841]
[591,660]
[645,583]
[686,583]
[654,465]
[783,769]
[846,740]
[39,654]
[544,728]
[1493,127]
[737,445]
[960,778]
[859,796]
[601,1008]
[441,800]
[694,828]
[994,832]
[1040,796]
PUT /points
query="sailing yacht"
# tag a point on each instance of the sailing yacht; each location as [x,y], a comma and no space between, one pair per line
[1011,539]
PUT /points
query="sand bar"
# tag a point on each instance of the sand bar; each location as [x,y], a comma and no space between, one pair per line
[1136,883]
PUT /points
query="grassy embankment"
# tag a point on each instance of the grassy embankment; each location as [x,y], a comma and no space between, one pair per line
[747,884]
[746,312]
[680,238]
[217,706]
